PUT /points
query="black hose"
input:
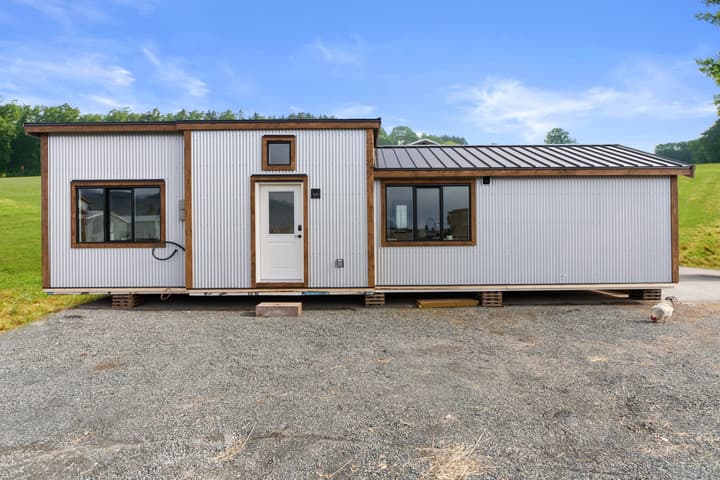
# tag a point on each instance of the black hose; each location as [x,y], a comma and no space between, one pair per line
[171,255]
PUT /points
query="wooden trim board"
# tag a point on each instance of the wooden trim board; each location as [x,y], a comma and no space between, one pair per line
[303,179]
[44,212]
[533,172]
[181,126]
[370,192]
[187,179]
[674,235]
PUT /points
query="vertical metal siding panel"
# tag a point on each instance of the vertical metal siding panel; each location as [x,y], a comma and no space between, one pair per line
[535,231]
[224,161]
[113,157]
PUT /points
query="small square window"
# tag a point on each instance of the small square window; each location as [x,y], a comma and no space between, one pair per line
[278,152]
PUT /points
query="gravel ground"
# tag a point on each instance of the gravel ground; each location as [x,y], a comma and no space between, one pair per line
[589,391]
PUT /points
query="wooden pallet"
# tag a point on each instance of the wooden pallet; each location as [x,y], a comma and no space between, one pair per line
[127,301]
[647,295]
[447,302]
[491,299]
[374,299]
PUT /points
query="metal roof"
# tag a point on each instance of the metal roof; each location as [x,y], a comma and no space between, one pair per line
[507,157]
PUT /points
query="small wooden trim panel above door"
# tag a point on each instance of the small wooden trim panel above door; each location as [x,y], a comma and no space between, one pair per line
[253,266]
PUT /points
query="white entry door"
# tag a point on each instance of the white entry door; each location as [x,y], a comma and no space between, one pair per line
[279,233]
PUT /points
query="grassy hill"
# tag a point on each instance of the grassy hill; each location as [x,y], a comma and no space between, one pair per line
[21,298]
[699,217]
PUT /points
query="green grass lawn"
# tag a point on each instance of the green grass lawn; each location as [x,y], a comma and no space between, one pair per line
[699,217]
[21,297]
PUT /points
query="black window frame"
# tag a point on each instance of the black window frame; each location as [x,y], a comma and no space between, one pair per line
[107,187]
[415,185]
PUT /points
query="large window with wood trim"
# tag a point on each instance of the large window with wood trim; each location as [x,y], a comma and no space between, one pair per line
[117,213]
[428,213]
[278,152]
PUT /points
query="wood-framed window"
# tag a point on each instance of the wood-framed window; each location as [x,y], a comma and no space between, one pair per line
[428,212]
[278,152]
[117,213]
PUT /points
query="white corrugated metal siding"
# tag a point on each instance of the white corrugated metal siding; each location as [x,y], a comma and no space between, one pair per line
[113,157]
[222,163]
[537,231]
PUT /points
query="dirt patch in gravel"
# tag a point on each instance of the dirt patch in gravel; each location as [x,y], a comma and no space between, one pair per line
[591,391]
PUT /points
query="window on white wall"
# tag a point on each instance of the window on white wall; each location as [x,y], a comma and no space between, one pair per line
[118,213]
[431,213]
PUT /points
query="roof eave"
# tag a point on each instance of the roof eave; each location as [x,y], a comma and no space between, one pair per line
[390,173]
[37,129]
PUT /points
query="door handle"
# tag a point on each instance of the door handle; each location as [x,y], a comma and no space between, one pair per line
[298,236]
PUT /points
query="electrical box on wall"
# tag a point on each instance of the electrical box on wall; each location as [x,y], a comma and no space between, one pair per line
[339,263]
[181,210]
[314,193]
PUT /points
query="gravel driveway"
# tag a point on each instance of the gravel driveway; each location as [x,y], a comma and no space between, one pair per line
[589,391]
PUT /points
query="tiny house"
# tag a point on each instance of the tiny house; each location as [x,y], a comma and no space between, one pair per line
[298,207]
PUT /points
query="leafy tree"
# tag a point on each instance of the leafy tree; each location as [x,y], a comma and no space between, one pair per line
[710,66]
[20,153]
[445,139]
[402,135]
[705,149]
[558,136]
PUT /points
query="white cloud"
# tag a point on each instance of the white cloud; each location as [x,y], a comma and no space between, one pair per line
[82,69]
[355,110]
[66,10]
[170,71]
[107,102]
[40,75]
[500,105]
[339,53]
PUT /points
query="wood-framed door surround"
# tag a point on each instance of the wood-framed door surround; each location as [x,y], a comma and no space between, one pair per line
[298,180]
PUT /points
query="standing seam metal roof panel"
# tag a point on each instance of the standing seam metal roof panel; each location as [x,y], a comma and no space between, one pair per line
[442,157]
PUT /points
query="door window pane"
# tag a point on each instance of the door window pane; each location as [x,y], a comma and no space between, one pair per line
[147,214]
[399,204]
[91,214]
[120,207]
[278,153]
[428,214]
[456,212]
[281,212]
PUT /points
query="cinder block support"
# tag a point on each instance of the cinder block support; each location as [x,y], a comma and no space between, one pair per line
[127,301]
[649,294]
[374,299]
[491,299]
[278,309]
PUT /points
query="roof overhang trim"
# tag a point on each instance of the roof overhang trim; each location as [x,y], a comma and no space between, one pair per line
[381,173]
[180,126]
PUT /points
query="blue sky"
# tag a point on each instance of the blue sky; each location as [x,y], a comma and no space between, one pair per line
[493,72]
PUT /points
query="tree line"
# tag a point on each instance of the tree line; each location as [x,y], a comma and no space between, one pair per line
[705,149]
[20,153]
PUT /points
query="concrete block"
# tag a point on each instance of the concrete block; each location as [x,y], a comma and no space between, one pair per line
[278,309]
